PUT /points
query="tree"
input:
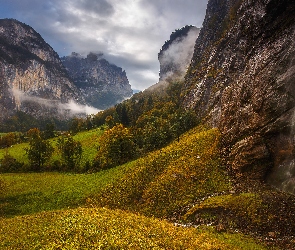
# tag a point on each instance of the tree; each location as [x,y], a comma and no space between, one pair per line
[116,147]
[122,114]
[71,152]
[7,140]
[49,130]
[39,150]
[76,125]
[89,122]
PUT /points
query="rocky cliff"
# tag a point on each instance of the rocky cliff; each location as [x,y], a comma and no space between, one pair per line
[101,83]
[242,80]
[176,53]
[32,77]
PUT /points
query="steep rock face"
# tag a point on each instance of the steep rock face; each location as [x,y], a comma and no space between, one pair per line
[101,83]
[242,80]
[33,78]
[176,53]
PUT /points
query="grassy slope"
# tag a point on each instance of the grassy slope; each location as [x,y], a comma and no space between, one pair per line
[158,184]
[101,228]
[171,178]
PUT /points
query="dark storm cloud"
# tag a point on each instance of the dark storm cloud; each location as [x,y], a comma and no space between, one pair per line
[129,32]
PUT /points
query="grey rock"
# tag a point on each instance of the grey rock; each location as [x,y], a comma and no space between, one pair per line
[241,80]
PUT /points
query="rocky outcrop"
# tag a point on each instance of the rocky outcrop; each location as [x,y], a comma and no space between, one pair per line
[176,54]
[102,84]
[241,80]
[33,79]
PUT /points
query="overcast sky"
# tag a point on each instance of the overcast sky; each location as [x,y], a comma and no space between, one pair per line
[130,33]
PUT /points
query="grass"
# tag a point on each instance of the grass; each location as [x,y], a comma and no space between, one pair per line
[265,212]
[88,140]
[168,179]
[243,205]
[101,228]
[65,211]
[35,192]
[17,151]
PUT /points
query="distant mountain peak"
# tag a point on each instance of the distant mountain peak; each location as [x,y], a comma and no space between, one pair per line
[34,80]
[101,83]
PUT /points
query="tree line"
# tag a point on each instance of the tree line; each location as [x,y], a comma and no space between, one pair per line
[40,151]
[147,121]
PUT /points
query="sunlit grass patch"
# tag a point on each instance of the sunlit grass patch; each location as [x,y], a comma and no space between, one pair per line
[101,228]
[165,180]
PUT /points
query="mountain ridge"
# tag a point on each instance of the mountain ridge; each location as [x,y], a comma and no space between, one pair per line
[35,81]
[101,83]
[30,68]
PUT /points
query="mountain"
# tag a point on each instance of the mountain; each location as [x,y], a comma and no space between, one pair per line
[176,54]
[35,82]
[32,77]
[241,80]
[102,84]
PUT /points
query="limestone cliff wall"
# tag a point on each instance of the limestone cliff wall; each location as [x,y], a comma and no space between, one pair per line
[102,84]
[32,75]
[242,80]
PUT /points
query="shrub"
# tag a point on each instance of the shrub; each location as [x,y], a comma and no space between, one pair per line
[10,165]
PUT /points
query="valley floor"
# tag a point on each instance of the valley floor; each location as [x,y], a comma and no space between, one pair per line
[179,197]
[56,211]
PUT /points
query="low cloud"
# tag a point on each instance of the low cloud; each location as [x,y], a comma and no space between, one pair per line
[129,32]
[179,54]
[70,108]
[75,108]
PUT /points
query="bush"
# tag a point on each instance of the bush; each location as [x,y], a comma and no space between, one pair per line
[10,165]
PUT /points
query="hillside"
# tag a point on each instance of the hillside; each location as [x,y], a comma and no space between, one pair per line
[158,184]
[206,162]
[198,193]
[110,229]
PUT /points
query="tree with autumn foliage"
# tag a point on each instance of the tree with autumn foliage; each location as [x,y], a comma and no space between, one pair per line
[116,147]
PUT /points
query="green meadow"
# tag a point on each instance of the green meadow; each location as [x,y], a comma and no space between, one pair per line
[88,140]
[126,207]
